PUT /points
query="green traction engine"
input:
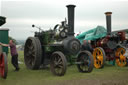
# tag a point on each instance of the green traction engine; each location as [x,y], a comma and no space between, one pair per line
[57,47]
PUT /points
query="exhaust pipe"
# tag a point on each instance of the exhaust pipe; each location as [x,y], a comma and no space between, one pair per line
[108,22]
[71,19]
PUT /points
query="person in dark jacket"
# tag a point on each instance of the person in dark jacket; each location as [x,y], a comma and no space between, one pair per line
[87,45]
[14,54]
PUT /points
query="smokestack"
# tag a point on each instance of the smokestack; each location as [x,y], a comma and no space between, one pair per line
[108,22]
[71,19]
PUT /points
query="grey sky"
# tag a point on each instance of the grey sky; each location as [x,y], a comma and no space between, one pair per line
[47,13]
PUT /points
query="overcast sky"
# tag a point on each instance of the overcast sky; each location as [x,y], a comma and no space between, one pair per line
[21,14]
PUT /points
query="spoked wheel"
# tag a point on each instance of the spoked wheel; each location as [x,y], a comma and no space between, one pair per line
[32,53]
[120,58]
[99,57]
[85,62]
[3,65]
[58,63]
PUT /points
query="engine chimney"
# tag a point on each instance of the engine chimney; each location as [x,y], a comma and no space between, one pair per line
[71,19]
[2,20]
[108,22]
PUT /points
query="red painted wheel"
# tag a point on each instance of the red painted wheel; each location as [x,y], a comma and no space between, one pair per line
[3,65]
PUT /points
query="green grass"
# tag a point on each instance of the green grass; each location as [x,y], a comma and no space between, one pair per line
[105,76]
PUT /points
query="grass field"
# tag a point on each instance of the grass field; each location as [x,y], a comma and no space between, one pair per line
[109,75]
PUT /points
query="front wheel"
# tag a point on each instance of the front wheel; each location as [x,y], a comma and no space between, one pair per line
[85,62]
[120,58]
[99,57]
[58,63]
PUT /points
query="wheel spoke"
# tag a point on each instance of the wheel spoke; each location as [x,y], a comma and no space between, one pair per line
[84,67]
[99,63]
[60,61]
[98,52]
[58,70]
[60,66]
[28,55]
[30,61]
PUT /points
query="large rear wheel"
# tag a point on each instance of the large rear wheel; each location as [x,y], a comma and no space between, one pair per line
[58,63]
[3,65]
[99,57]
[85,62]
[120,58]
[33,53]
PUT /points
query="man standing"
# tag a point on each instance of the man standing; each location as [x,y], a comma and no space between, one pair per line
[14,54]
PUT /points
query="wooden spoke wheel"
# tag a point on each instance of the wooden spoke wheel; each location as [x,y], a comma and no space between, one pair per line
[3,65]
[120,58]
[32,53]
[85,62]
[58,63]
[99,57]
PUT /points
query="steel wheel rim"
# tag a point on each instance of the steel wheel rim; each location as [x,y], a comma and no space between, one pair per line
[120,58]
[98,58]
[58,64]
[84,62]
[30,53]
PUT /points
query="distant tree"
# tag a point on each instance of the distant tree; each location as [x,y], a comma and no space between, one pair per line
[14,40]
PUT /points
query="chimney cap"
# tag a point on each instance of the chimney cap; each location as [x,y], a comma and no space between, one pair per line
[71,5]
[108,13]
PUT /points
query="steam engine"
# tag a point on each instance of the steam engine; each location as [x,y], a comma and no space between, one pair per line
[111,45]
[55,47]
